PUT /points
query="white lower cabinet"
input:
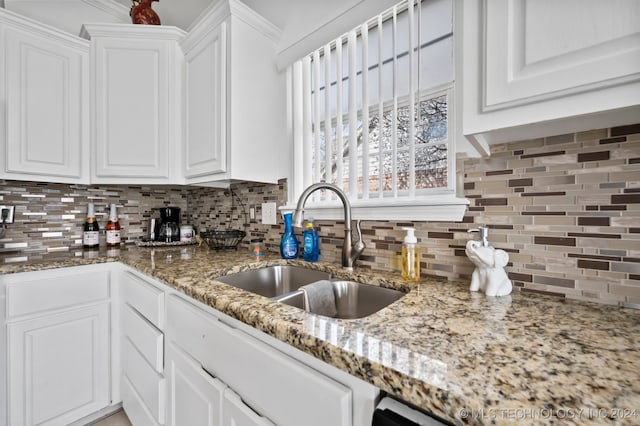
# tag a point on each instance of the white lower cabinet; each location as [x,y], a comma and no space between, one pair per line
[195,398]
[56,325]
[59,366]
[276,386]
[142,350]
[237,413]
[80,340]
[198,399]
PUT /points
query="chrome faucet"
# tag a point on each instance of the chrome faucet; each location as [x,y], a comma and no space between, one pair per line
[350,252]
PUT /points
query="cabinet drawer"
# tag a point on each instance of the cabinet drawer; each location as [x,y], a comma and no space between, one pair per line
[148,385]
[35,292]
[134,406]
[274,384]
[145,337]
[188,326]
[144,297]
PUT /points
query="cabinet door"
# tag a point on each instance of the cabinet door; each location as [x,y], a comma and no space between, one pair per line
[544,50]
[132,121]
[205,105]
[59,366]
[43,79]
[276,385]
[195,398]
[237,413]
[531,69]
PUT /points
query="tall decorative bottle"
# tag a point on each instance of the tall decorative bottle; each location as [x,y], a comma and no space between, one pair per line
[91,230]
[288,243]
[113,228]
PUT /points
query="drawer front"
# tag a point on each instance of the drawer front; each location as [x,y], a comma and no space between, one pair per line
[36,292]
[133,405]
[275,385]
[188,326]
[145,337]
[144,297]
[148,385]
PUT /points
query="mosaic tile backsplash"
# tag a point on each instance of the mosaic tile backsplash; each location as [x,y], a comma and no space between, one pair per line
[566,208]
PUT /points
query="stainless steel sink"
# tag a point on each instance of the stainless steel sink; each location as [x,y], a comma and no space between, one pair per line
[274,281]
[282,283]
[353,300]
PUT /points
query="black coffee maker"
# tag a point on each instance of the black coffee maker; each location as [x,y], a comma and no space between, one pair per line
[169,227]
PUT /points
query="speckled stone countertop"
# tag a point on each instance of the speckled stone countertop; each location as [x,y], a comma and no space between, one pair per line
[467,358]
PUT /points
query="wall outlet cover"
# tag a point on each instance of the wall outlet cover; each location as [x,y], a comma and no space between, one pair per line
[10,213]
[269,214]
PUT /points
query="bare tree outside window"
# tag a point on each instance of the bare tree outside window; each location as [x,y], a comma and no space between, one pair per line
[430,152]
[379,103]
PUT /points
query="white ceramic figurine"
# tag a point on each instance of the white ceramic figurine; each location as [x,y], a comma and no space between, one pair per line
[489,275]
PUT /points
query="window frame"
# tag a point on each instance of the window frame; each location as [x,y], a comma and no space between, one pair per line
[436,204]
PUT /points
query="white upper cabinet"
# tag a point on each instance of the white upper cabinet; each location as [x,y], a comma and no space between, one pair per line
[205,149]
[136,82]
[43,103]
[533,68]
[234,99]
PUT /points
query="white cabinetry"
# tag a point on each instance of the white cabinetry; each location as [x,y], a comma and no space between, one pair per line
[532,68]
[274,385]
[234,99]
[142,350]
[195,398]
[58,360]
[136,83]
[235,412]
[43,102]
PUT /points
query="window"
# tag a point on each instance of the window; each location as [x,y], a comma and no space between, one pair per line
[375,113]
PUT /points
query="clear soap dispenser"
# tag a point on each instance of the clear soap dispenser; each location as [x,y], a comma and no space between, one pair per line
[410,257]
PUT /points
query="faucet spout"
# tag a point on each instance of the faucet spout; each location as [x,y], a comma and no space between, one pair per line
[350,252]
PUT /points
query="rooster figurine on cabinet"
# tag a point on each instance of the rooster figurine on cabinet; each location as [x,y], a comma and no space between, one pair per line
[142,13]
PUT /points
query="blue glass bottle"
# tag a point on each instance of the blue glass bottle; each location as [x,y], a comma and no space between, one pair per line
[310,243]
[289,242]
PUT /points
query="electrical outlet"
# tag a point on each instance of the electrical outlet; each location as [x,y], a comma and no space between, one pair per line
[9,218]
[269,214]
[252,213]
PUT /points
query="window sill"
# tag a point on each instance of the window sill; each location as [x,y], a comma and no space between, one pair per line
[436,208]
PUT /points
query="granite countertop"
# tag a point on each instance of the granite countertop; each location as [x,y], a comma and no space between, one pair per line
[460,355]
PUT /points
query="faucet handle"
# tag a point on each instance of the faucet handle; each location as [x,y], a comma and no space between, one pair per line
[360,242]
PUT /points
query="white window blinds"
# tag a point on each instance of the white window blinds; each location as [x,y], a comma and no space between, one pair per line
[375,110]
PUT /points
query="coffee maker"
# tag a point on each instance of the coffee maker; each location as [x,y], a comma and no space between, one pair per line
[168,230]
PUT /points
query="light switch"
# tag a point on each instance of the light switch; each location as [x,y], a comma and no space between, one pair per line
[269,213]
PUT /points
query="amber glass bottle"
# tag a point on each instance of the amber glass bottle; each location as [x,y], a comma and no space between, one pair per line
[113,228]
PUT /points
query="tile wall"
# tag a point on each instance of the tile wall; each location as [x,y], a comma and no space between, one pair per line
[566,208]
[49,217]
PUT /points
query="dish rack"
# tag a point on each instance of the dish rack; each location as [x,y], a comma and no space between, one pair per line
[222,240]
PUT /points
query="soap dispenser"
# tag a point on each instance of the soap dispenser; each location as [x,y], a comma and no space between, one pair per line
[410,257]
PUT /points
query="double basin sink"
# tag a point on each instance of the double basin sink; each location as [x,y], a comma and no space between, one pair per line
[283,283]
